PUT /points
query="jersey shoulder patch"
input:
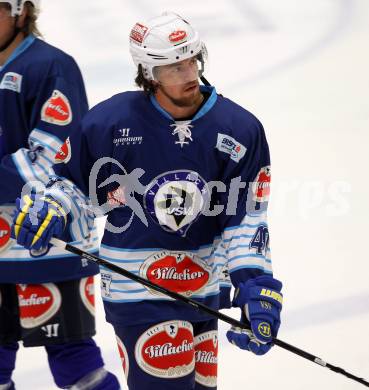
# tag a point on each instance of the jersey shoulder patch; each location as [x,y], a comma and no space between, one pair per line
[57,110]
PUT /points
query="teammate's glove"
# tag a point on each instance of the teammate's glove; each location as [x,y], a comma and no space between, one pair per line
[36,221]
[261,303]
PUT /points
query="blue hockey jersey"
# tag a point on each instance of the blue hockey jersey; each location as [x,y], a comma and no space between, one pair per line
[186,201]
[42,98]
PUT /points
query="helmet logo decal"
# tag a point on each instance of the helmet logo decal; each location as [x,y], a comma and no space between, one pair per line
[177,36]
[138,33]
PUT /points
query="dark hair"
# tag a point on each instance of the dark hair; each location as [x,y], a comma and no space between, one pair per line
[30,23]
[147,85]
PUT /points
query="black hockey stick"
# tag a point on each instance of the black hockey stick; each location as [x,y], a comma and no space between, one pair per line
[200,306]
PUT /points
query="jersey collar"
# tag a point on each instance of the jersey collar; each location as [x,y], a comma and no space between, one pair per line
[204,109]
[25,44]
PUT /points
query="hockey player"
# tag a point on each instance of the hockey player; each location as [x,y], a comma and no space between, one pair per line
[184,175]
[46,297]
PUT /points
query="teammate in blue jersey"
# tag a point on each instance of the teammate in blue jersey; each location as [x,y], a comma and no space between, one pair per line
[183,175]
[46,296]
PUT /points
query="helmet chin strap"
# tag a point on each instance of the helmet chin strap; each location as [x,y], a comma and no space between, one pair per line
[16,31]
[205,82]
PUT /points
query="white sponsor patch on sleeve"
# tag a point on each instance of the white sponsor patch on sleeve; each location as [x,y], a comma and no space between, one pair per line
[12,81]
[229,145]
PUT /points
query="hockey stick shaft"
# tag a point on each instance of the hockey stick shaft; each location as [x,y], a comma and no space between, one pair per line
[199,306]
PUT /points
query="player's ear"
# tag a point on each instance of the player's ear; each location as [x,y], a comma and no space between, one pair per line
[22,18]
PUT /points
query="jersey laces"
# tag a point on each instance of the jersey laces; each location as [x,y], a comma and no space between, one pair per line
[183,129]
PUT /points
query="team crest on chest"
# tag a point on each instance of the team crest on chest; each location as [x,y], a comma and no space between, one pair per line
[176,199]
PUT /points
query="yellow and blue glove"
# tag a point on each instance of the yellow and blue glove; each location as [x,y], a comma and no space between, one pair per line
[260,300]
[36,221]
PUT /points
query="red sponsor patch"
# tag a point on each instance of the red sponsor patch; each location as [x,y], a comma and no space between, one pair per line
[166,350]
[184,273]
[177,36]
[206,358]
[64,154]
[117,197]
[138,33]
[123,356]
[87,291]
[37,303]
[5,230]
[261,185]
[57,110]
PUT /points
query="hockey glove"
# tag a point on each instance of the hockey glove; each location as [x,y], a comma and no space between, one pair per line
[36,221]
[261,303]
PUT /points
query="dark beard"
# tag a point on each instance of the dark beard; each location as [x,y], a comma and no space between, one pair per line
[183,102]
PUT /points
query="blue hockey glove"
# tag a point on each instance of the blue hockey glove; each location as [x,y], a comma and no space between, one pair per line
[261,303]
[36,221]
[245,339]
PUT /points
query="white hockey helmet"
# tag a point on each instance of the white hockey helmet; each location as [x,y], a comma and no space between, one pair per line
[18,5]
[165,40]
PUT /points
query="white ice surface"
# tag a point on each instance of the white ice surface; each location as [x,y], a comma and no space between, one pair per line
[303,69]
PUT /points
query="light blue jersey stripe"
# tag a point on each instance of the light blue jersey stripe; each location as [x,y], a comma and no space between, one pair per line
[249,255]
[246,225]
[250,267]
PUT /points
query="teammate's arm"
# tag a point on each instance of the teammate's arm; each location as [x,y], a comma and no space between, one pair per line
[65,202]
[56,109]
